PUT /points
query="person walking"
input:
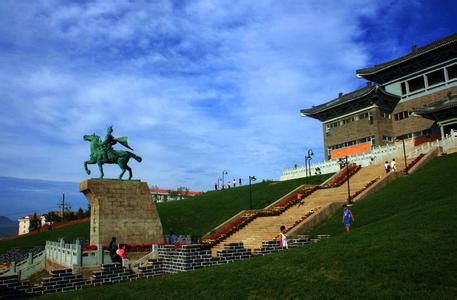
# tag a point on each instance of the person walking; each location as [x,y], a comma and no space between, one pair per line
[386,167]
[393,165]
[234,182]
[283,237]
[348,218]
[239,182]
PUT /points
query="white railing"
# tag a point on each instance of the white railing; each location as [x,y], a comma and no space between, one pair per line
[448,142]
[28,266]
[71,255]
[377,156]
[63,254]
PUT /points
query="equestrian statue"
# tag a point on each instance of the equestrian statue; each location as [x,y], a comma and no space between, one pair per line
[102,152]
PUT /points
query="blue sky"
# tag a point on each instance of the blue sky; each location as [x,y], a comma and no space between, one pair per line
[197,86]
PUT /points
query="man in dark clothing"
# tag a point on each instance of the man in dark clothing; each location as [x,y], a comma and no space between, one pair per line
[112,251]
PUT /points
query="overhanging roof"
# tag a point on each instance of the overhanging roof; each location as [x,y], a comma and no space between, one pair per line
[364,97]
[439,110]
[372,73]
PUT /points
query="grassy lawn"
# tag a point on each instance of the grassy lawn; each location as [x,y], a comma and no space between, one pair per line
[199,215]
[69,233]
[195,216]
[403,245]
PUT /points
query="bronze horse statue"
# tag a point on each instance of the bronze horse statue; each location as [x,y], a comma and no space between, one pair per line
[119,157]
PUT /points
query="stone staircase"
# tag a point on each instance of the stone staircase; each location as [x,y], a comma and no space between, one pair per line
[267,228]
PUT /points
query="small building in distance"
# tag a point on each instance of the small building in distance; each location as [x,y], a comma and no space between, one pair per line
[24,223]
[161,195]
[410,97]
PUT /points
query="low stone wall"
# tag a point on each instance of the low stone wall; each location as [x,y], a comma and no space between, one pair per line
[426,159]
[378,185]
[322,214]
[171,260]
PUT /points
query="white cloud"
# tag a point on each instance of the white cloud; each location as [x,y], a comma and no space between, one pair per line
[198,88]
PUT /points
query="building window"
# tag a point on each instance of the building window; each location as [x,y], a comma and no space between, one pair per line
[416,84]
[435,77]
[401,115]
[363,116]
[370,117]
[386,115]
[387,138]
[403,88]
[452,72]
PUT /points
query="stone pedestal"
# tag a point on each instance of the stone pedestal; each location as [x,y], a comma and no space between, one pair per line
[123,209]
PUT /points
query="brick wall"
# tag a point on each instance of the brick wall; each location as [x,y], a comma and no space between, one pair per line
[171,260]
[413,124]
[383,126]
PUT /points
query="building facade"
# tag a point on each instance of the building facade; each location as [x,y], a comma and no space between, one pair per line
[411,97]
[24,223]
[160,195]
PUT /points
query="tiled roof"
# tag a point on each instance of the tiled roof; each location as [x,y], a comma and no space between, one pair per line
[417,52]
[437,106]
[340,100]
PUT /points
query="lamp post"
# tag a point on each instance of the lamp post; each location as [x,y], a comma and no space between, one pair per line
[345,162]
[404,156]
[251,178]
[219,180]
[223,174]
[308,164]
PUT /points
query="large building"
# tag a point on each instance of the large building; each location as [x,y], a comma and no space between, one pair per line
[414,96]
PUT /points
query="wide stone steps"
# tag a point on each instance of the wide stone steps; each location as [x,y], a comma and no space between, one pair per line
[267,228]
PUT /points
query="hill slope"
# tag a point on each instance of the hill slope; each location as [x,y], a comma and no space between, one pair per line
[403,245]
[195,216]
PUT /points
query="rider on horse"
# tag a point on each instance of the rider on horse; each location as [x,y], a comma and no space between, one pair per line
[110,141]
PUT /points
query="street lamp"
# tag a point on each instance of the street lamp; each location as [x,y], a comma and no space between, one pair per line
[308,164]
[219,180]
[404,156]
[251,178]
[223,174]
[345,162]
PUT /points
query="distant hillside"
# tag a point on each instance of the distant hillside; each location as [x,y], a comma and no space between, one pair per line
[7,227]
[6,222]
[26,196]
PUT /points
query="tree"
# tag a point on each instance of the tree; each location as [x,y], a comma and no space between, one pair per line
[182,192]
[52,217]
[80,213]
[33,224]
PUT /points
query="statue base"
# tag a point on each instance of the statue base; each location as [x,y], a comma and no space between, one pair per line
[121,209]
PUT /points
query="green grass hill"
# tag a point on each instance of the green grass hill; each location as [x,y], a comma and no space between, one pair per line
[195,216]
[403,244]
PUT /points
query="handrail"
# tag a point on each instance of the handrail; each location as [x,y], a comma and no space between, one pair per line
[143,259]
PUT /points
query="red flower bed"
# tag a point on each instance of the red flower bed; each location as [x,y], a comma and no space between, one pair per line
[89,247]
[246,218]
[365,187]
[134,247]
[342,176]
[411,164]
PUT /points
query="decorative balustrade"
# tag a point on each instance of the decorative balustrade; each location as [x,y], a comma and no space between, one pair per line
[376,156]
[63,253]
[28,266]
